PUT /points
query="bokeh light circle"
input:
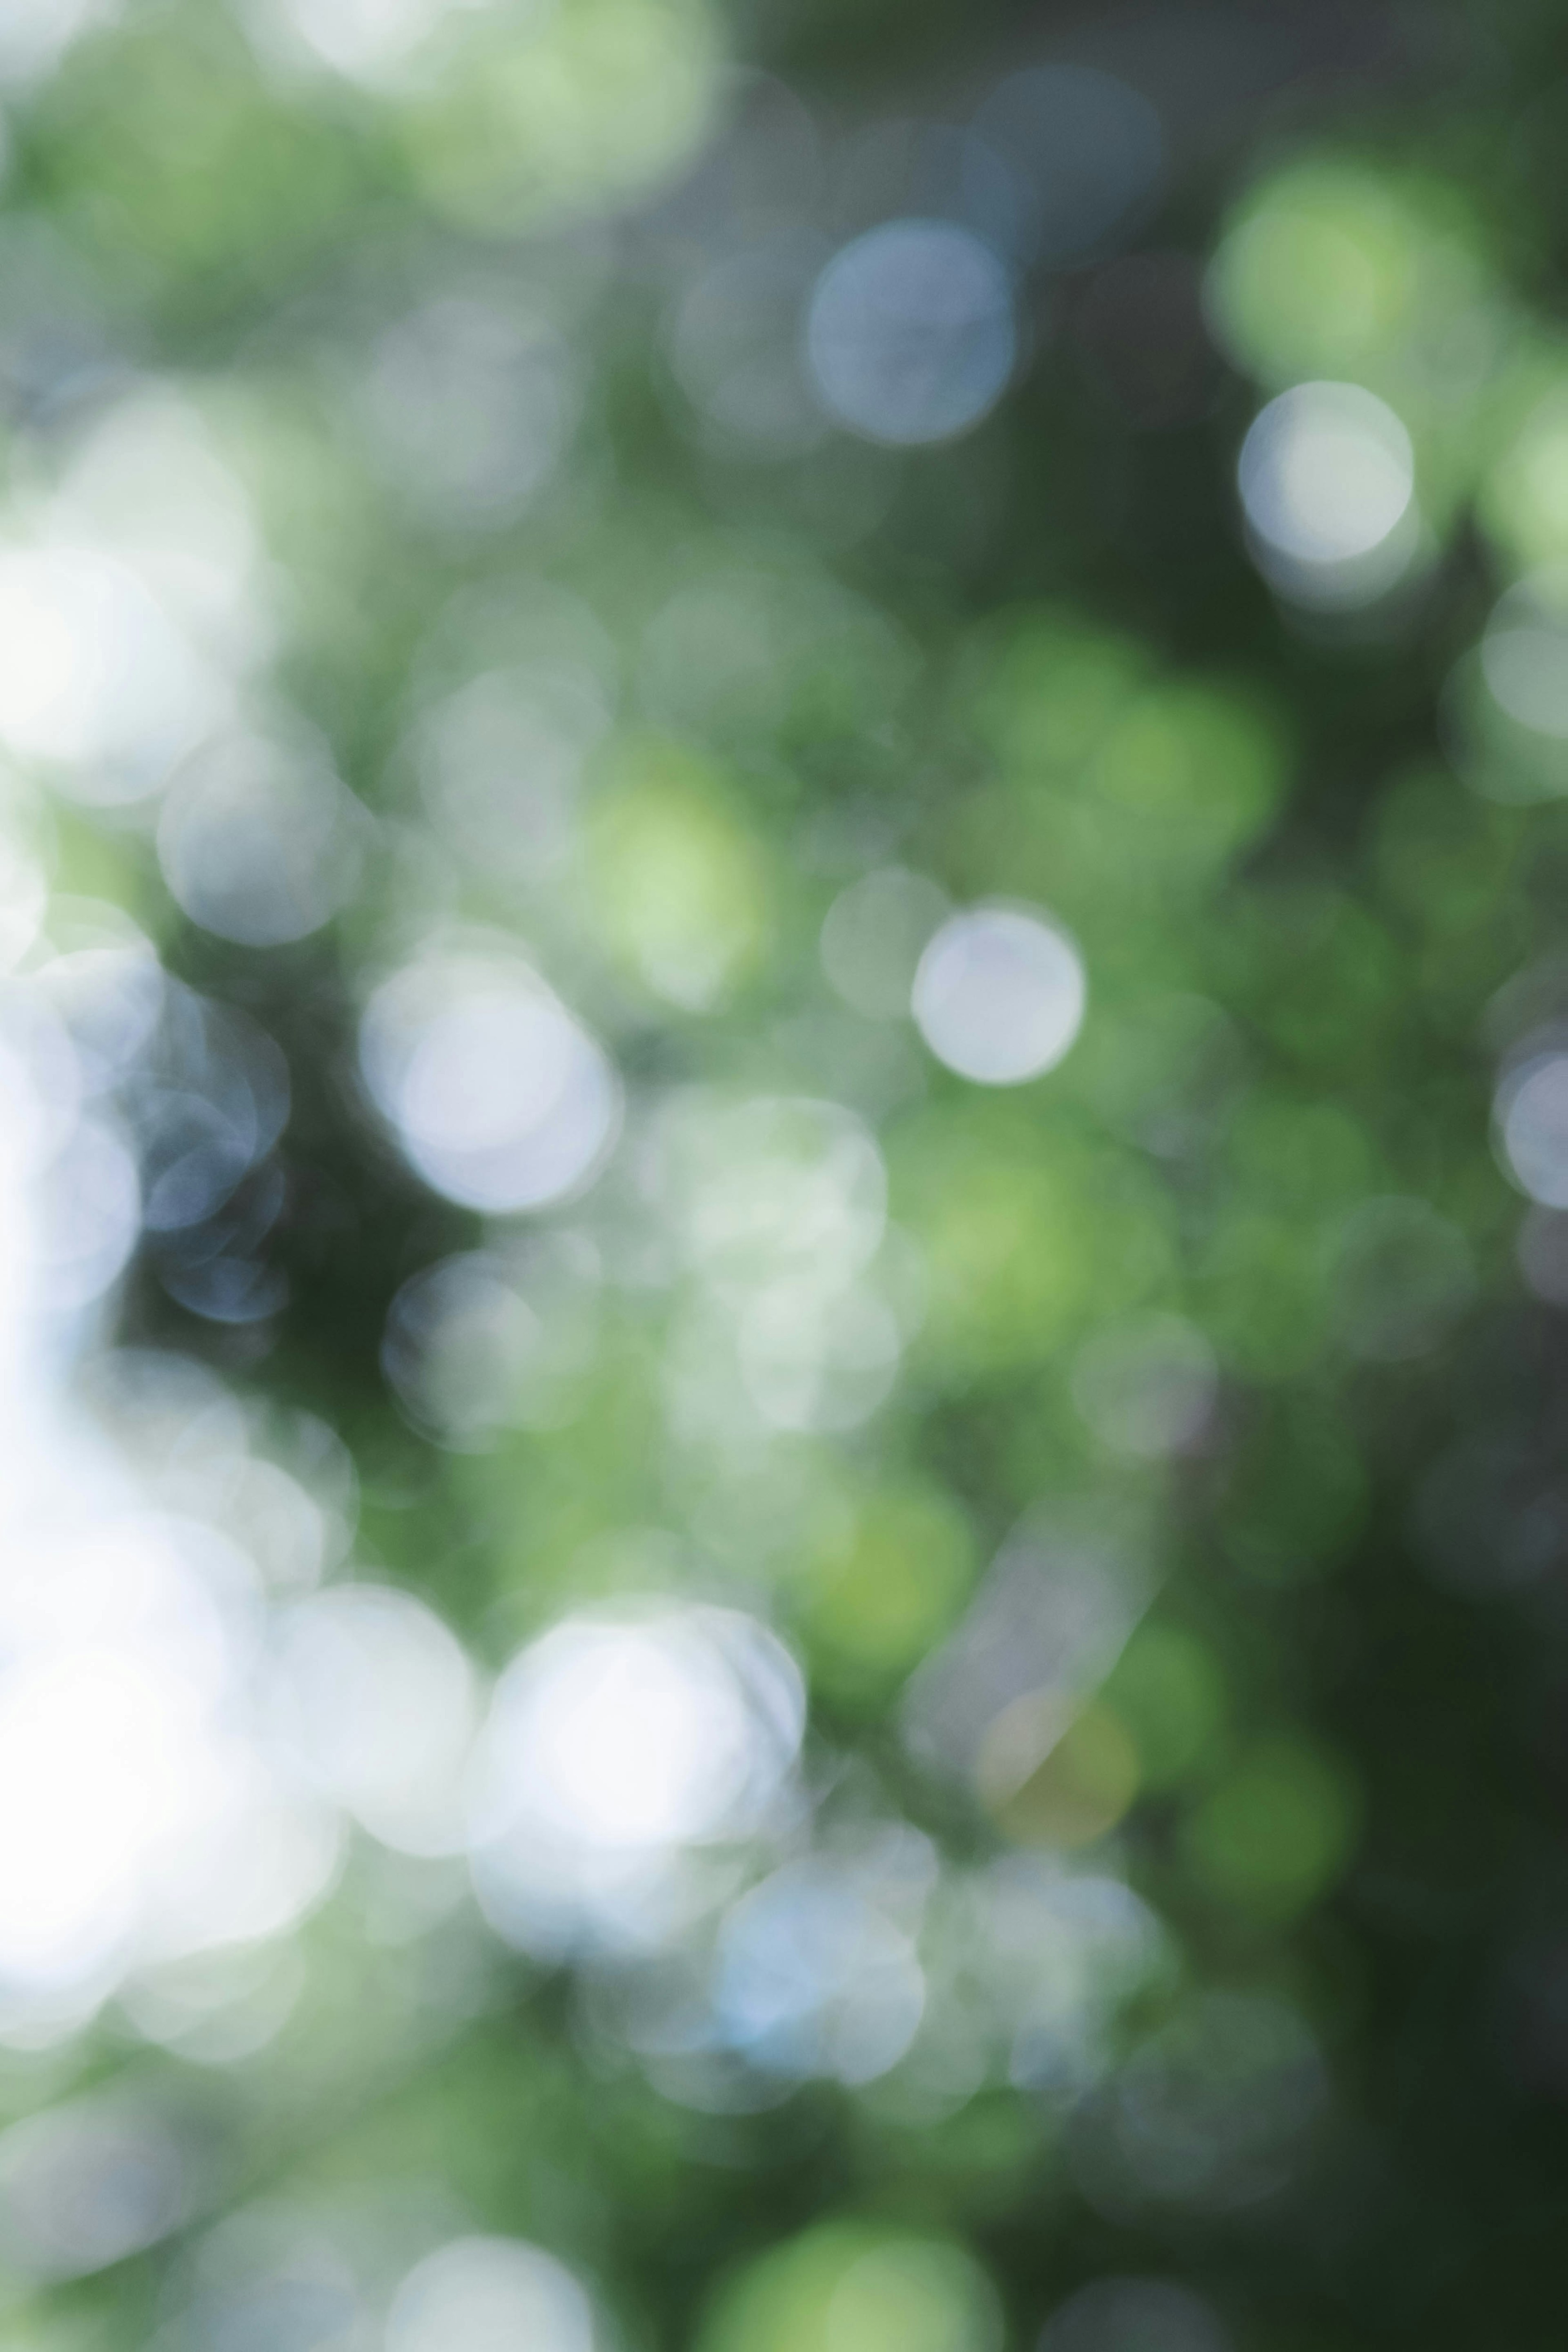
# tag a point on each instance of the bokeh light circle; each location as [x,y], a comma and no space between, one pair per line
[911,335]
[490,2294]
[498,1096]
[999,995]
[1327,477]
[261,843]
[1533,1126]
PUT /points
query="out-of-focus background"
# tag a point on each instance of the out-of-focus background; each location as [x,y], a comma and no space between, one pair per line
[783,1177]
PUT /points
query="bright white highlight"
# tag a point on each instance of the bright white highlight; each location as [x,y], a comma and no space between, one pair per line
[130,605]
[35,36]
[149,487]
[149,1830]
[613,1744]
[151,1826]
[1327,477]
[911,335]
[1532,1123]
[999,995]
[500,1099]
[491,2294]
[369,41]
[89,1215]
[376,1703]
[94,673]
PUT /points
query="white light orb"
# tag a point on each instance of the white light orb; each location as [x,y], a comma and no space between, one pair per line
[660,1732]
[261,844]
[88,1217]
[95,678]
[490,2294]
[999,995]
[500,1099]
[376,1702]
[614,1746]
[1532,1125]
[911,335]
[1327,477]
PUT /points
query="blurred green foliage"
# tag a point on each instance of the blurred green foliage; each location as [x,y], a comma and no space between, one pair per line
[1272,1891]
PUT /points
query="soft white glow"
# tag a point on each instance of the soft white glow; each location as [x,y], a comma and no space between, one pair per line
[491,2294]
[24,893]
[260,843]
[369,41]
[95,678]
[1327,476]
[149,488]
[89,1215]
[498,1096]
[34,35]
[151,1824]
[779,1206]
[85,2185]
[485,1342]
[614,1743]
[999,995]
[220,2007]
[108,992]
[40,1078]
[377,1703]
[147,1824]
[817,1976]
[1532,1120]
[773,1187]
[818,1360]
[911,335]
[645,1734]
[131,601]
